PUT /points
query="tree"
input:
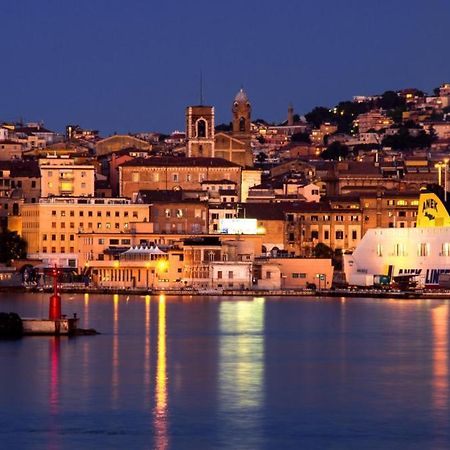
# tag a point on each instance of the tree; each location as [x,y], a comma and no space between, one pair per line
[12,246]
[261,157]
[322,250]
[335,151]
[319,115]
[390,100]
[300,137]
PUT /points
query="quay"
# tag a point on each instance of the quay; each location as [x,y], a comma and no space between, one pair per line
[337,292]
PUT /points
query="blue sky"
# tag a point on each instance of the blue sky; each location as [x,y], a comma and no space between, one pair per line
[134,65]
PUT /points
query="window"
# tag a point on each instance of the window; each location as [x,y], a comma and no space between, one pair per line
[314,234]
[179,213]
[299,275]
[339,218]
[135,214]
[108,213]
[379,250]
[53,224]
[445,249]
[326,235]
[423,249]
[391,202]
[354,218]
[291,237]
[90,213]
[402,214]
[354,235]
[230,274]
[339,235]
[53,213]
[402,203]
[71,237]
[175,177]
[201,128]
[219,274]
[167,213]
[99,214]
[72,213]
[81,213]
[314,218]
[400,249]
[44,237]
[415,203]
[135,177]
[63,224]
[214,216]
[268,275]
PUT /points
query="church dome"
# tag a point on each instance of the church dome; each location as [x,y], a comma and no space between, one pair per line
[241,97]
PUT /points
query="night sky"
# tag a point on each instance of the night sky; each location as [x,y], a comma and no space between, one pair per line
[134,65]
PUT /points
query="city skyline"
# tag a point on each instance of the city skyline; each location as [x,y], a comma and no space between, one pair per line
[122,68]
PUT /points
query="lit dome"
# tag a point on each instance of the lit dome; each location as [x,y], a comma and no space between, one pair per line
[241,97]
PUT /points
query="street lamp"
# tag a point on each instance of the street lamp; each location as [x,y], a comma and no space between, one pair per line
[439,166]
[445,178]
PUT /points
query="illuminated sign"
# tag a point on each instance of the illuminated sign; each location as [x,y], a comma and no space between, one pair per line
[238,226]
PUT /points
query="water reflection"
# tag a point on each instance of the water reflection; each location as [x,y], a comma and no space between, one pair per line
[54,349]
[86,310]
[115,353]
[439,317]
[147,375]
[241,366]
[160,412]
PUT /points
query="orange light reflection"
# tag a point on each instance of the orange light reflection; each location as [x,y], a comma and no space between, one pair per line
[160,413]
[115,353]
[147,376]
[439,317]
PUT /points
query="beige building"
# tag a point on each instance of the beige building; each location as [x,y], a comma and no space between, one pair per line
[62,177]
[119,142]
[55,227]
[167,173]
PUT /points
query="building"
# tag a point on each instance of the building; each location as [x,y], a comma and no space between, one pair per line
[174,173]
[200,131]
[63,177]
[54,227]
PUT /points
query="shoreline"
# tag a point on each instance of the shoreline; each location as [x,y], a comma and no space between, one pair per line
[426,295]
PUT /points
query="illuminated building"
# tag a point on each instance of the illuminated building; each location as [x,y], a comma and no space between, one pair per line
[62,177]
[55,226]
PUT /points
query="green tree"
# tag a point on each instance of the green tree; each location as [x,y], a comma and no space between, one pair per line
[319,115]
[12,246]
[322,250]
[300,137]
[335,151]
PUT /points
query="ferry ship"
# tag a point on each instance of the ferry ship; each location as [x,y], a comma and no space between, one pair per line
[422,251]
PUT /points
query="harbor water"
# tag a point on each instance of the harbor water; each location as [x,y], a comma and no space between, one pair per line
[229,373]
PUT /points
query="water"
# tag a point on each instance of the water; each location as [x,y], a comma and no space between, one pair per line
[223,373]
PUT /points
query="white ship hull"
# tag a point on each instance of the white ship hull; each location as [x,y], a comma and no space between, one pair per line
[424,252]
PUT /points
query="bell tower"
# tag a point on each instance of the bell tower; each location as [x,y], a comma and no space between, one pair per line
[200,131]
[241,114]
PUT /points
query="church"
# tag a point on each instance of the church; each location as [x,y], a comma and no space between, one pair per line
[234,146]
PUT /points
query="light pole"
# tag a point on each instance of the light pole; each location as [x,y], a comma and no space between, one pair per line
[439,167]
[445,178]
